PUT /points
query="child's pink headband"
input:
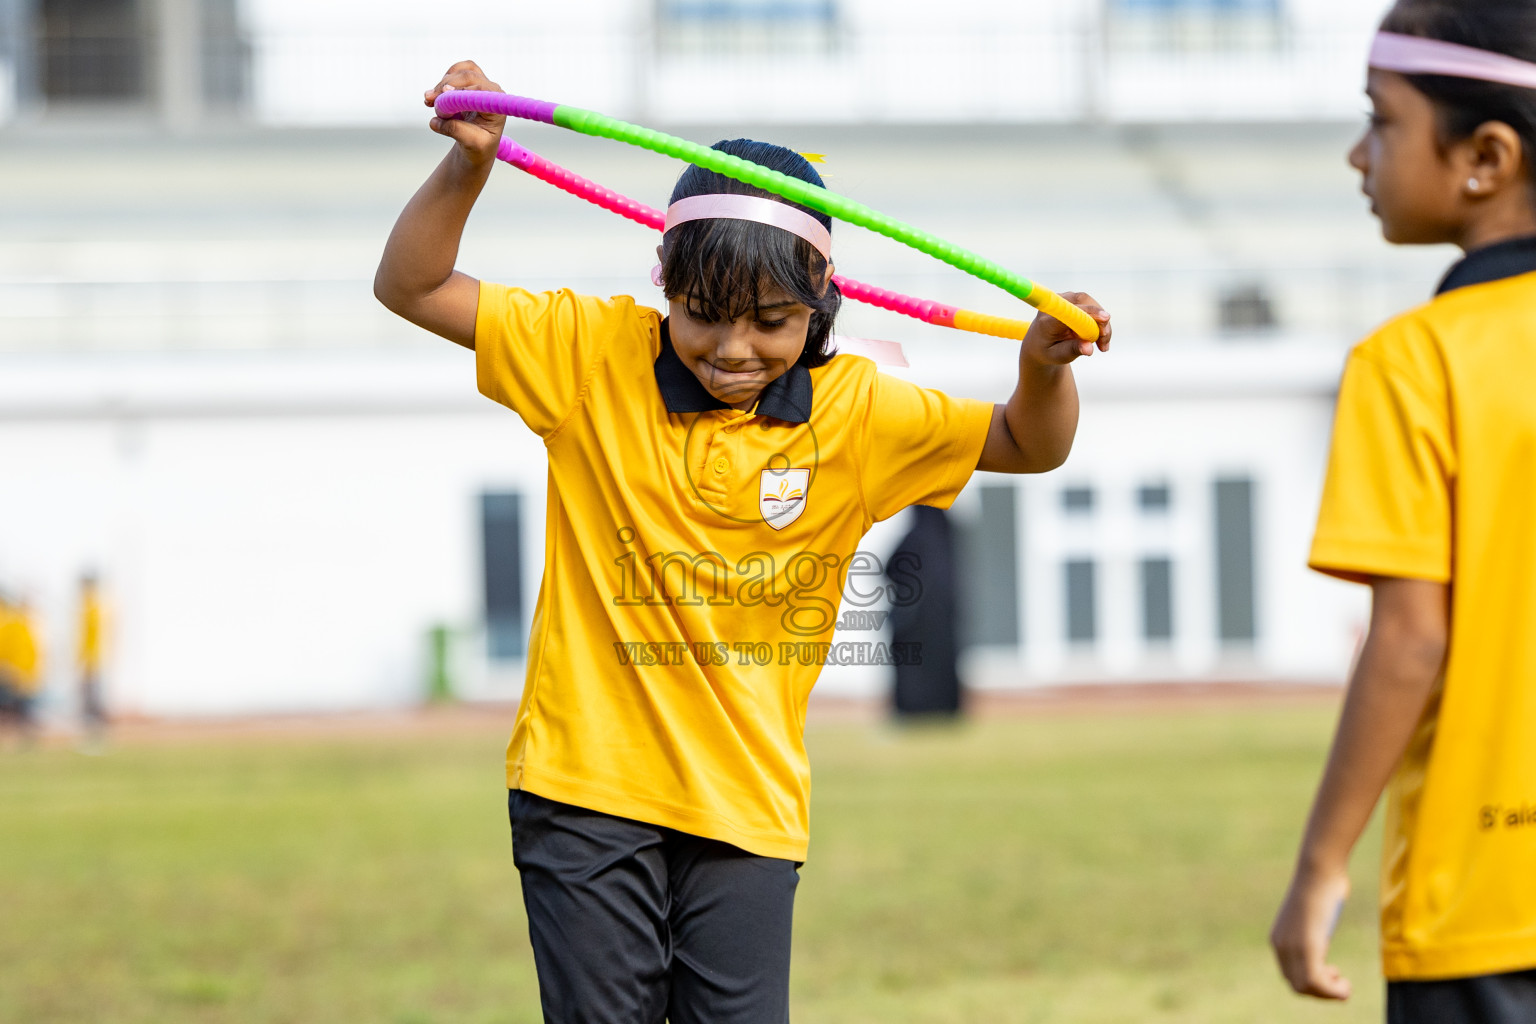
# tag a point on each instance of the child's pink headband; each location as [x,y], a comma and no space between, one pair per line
[1415,55]
[754,208]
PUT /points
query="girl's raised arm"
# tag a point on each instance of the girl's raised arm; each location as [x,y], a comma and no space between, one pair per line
[1033,432]
[416,276]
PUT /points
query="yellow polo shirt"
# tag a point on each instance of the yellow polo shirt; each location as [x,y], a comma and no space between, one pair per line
[9,647]
[1433,476]
[695,557]
[24,654]
[91,628]
[20,653]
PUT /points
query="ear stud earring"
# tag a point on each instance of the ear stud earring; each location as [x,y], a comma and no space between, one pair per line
[1472,185]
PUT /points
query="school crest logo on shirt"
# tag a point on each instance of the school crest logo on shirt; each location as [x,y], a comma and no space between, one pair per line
[781,495]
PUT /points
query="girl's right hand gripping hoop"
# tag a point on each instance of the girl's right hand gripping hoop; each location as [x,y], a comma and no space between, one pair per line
[589,122]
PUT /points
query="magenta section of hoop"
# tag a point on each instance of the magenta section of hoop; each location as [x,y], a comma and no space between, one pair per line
[457,101]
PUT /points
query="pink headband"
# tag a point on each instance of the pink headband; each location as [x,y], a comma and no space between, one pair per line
[754,208]
[1414,55]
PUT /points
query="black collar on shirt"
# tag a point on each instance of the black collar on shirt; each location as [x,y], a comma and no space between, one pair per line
[1491,263]
[787,397]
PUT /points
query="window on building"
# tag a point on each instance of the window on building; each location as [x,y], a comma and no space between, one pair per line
[502,549]
[1183,26]
[1077,500]
[92,50]
[727,27]
[1245,309]
[989,576]
[1200,6]
[226,54]
[1154,497]
[1082,602]
[1236,622]
[1157,599]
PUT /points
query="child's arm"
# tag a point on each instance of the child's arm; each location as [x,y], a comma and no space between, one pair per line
[1033,432]
[1391,685]
[416,278]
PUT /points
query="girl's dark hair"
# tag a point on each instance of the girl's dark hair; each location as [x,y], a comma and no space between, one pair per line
[720,268]
[1462,104]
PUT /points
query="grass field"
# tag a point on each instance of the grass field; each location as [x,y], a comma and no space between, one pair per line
[1083,867]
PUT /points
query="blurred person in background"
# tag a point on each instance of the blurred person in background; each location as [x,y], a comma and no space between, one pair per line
[20,669]
[8,690]
[1430,499]
[923,618]
[92,627]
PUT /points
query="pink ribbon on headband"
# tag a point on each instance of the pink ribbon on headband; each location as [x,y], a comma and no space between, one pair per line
[753,208]
[1415,55]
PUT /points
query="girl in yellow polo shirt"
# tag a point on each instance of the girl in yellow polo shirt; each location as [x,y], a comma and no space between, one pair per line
[711,472]
[1431,499]
[20,668]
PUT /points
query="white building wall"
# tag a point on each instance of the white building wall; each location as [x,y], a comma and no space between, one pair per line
[266,545]
[1185,416]
[278,531]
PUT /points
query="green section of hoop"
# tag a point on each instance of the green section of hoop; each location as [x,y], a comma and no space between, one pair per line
[589,122]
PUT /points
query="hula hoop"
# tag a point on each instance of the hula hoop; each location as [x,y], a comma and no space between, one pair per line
[587,122]
[926,310]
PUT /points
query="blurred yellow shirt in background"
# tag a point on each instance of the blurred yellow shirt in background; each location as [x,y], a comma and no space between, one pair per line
[7,640]
[695,557]
[20,651]
[90,637]
[1433,476]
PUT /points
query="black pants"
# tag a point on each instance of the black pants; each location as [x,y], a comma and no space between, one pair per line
[1488,999]
[635,924]
[92,708]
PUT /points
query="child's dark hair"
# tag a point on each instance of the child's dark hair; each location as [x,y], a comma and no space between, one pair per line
[720,268]
[1462,104]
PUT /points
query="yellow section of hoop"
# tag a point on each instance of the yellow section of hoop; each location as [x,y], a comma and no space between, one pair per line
[1043,299]
[997,326]
[1051,304]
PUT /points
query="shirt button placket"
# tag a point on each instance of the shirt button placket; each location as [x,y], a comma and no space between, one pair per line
[714,474]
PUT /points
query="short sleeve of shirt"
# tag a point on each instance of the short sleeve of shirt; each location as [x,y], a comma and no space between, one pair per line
[921,446]
[535,352]
[1386,508]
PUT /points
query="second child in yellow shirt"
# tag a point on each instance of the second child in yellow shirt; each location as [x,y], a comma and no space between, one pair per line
[712,468]
[1430,499]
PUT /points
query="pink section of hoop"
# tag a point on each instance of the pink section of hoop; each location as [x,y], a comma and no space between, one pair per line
[1414,55]
[755,208]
